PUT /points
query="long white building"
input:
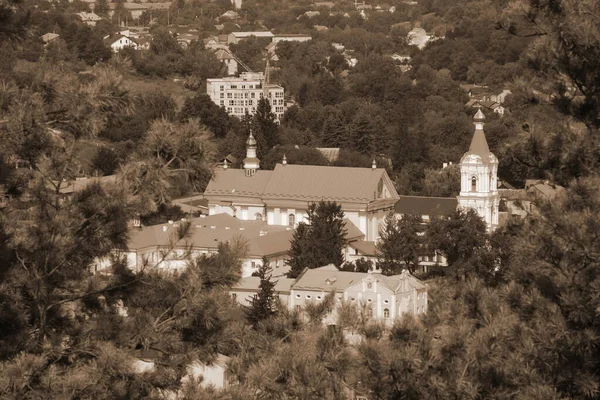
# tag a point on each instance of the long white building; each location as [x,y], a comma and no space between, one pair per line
[240,95]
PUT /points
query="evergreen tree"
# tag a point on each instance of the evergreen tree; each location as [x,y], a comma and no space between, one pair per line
[321,242]
[361,133]
[264,127]
[262,306]
[400,245]
[334,133]
[298,258]
[101,8]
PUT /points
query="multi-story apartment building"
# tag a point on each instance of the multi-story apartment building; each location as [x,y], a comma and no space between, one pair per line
[240,95]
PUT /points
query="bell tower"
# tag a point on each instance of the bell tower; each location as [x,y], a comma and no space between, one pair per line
[479,177]
[251,162]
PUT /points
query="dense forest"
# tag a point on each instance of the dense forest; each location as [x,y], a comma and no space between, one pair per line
[514,315]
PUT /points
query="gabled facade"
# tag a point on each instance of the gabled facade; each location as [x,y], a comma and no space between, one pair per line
[118,42]
[385,298]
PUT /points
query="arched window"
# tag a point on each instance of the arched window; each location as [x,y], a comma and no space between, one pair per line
[291,220]
[258,217]
[386,313]
[473,184]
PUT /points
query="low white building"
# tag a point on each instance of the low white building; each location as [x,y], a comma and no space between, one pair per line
[240,95]
[291,37]
[418,37]
[118,42]
[235,37]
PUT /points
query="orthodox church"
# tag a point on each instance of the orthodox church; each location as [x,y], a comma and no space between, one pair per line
[282,196]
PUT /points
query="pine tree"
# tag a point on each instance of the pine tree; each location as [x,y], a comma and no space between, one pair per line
[262,306]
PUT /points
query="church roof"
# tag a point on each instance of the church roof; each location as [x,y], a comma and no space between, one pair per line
[420,205]
[313,183]
[234,182]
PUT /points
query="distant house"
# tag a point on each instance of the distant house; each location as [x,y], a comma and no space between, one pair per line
[229,15]
[89,18]
[327,4]
[310,14]
[403,58]
[291,37]
[215,43]
[49,37]
[320,28]
[227,58]
[418,37]
[118,42]
[338,46]
[235,37]
[486,105]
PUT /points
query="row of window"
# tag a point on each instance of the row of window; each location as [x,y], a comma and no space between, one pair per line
[241,102]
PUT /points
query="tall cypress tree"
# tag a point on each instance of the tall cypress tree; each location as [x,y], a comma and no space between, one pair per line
[264,127]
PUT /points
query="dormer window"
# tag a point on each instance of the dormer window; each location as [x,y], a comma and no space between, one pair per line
[473,184]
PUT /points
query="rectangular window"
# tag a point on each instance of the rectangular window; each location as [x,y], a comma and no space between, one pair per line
[253,264]
[252,95]
[222,95]
[222,102]
[234,296]
[229,96]
[222,87]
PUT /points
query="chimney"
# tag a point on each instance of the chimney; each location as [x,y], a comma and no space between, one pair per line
[164,228]
[374,164]
[170,222]
[225,164]
[444,165]
[284,161]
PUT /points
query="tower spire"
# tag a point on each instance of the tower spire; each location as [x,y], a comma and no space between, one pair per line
[251,162]
[479,177]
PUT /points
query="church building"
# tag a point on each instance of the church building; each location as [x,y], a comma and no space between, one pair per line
[282,196]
